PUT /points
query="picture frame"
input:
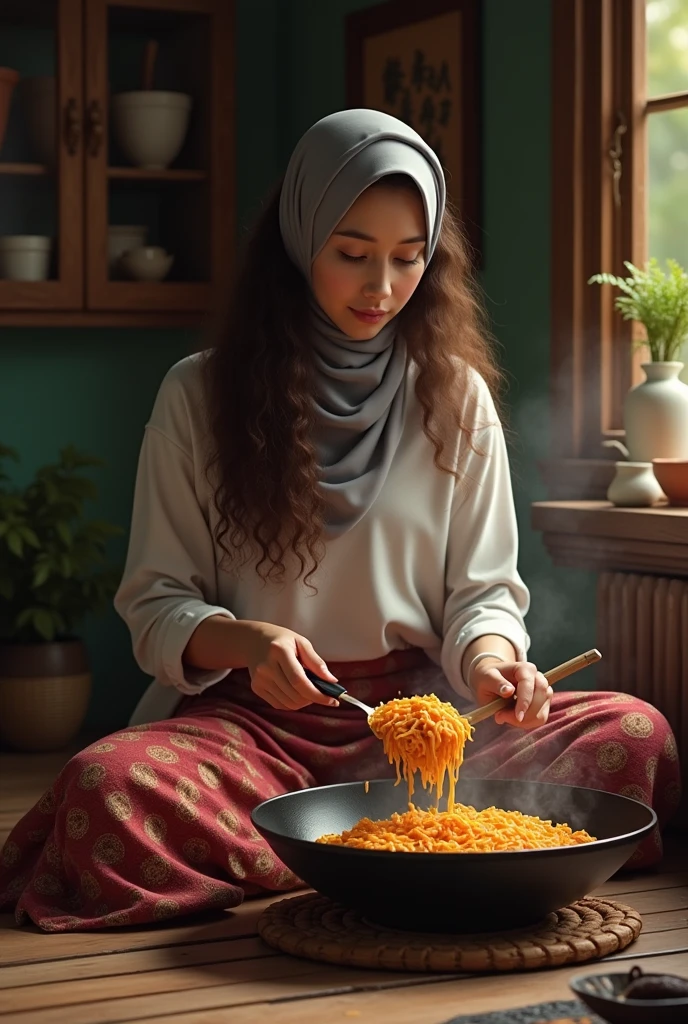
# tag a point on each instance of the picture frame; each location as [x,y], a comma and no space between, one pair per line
[421,63]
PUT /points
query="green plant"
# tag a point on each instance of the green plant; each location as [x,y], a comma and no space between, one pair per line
[658,301]
[52,560]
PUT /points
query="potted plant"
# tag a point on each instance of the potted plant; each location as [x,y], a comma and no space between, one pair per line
[656,411]
[53,573]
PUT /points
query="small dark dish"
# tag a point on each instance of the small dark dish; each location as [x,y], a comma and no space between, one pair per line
[453,892]
[604,994]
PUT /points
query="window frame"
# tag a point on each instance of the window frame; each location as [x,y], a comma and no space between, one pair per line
[598,67]
[599,85]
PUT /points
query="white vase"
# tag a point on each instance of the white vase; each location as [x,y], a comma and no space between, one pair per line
[634,485]
[656,414]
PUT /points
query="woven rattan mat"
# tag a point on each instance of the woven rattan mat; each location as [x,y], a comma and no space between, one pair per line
[314,927]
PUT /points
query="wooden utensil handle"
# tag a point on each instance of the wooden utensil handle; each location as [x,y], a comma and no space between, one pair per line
[148,65]
[554,675]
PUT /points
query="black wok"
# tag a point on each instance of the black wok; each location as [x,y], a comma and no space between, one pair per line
[453,892]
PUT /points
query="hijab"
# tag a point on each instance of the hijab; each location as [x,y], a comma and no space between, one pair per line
[361,386]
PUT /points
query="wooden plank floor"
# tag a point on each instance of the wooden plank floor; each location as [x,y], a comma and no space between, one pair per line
[216,969]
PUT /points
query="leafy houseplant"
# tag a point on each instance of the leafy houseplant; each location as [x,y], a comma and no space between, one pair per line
[656,411]
[658,301]
[53,572]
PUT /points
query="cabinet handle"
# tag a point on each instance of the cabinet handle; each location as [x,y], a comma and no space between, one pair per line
[72,126]
[95,128]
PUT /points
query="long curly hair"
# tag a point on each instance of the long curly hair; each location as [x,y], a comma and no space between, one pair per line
[259,380]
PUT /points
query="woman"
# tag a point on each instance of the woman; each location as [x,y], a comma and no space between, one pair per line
[328,488]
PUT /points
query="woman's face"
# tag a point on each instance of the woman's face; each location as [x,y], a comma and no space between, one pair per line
[372,262]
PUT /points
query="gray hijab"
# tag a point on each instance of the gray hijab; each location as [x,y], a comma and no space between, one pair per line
[361,386]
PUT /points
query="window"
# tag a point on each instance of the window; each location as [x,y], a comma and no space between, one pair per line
[619,192]
[667,132]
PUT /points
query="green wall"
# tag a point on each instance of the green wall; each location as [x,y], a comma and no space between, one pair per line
[94,388]
[516,175]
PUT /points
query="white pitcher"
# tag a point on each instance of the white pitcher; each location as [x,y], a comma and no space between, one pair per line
[656,414]
[634,485]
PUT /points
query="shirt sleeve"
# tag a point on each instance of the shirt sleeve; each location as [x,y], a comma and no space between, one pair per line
[169,583]
[484,591]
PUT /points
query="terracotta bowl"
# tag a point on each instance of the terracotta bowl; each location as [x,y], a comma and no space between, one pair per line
[672,476]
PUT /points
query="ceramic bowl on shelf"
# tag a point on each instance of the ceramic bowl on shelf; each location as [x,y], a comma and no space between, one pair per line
[8,79]
[146,263]
[672,475]
[38,101]
[25,257]
[150,126]
[122,237]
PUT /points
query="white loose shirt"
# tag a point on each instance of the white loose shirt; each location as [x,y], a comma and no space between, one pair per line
[432,564]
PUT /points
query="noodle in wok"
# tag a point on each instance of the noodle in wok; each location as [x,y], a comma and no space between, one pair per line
[428,736]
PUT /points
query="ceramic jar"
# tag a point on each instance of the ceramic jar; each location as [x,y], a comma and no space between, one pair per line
[25,257]
[656,414]
[122,237]
[634,485]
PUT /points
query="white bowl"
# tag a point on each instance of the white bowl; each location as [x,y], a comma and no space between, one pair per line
[40,114]
[150,126]
[25,257]
[122,237]
[146,263]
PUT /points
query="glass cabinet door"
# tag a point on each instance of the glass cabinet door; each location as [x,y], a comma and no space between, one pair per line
[159,229]
[41,158]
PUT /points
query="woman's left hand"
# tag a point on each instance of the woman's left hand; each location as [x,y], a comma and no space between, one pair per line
[491,678]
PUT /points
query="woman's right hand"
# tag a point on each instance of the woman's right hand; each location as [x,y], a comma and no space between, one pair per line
[276,657]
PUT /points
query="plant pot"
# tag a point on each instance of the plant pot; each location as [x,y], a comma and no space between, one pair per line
[44,694]
[656,415]
[8,80]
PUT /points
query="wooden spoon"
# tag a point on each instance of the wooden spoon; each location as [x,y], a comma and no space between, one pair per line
[553,676]
[150,55]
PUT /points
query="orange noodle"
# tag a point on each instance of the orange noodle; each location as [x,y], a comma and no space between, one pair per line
[463,830]
[426,735]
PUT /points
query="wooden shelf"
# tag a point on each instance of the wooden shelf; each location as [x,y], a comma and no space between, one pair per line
[164,174]
[106,318]
[35,170]
[596,535]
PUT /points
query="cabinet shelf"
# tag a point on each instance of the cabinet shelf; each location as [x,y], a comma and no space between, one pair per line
[18,170]
[182,174]
[162,175]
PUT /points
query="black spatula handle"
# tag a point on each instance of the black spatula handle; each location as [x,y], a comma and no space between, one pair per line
[329,689]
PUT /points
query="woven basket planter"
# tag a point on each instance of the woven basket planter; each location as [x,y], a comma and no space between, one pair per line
[44,694]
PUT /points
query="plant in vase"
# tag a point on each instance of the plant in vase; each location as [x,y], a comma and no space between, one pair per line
[53,572]
[656,411]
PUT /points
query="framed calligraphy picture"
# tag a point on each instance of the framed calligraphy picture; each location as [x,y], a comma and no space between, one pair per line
[421,63]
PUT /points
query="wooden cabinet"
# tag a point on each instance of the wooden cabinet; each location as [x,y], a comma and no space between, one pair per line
[64,174]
